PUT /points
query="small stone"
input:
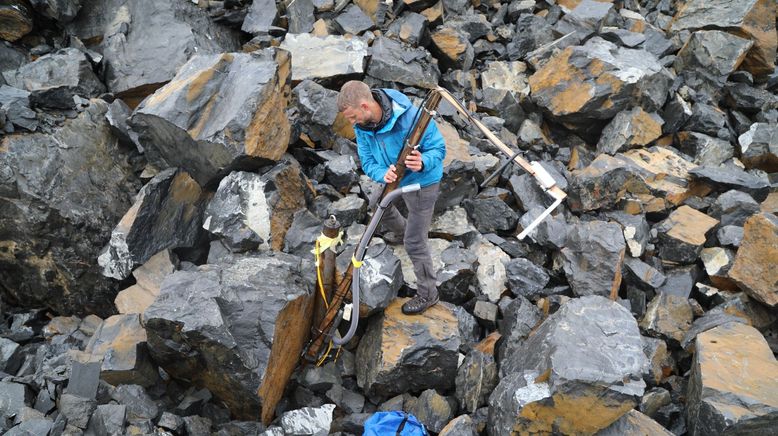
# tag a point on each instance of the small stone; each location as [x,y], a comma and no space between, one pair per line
[705,149]
[630,129]
[733,208]
[76,409]
[730,235]
[759,147]
[171,422]
[680,281]
[300,16]
[525,278]
[661,363]
[668,316]
[308,420]
[353,21]
[434,410]
[683,233]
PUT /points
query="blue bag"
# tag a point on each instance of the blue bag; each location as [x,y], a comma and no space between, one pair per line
[393,423]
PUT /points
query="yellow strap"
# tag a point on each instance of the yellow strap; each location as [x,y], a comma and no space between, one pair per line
[323,243]
[355,262]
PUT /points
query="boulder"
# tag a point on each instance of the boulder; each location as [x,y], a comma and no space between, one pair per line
[598,80]
[453,48]
[630,129]
[147,228]
[589,352]
[308,420]
[683,233]
[410,28]
[733,208]
[135,36]
[120,343]
[380,276]
[148,279]
[236,328]
[634,422]
[54,79]
[16,105]
[750,18]
[726,177]
[525,278]
[327,57]
[16,18]
[593,257]
[251,211]
[491,276]
[455,279]
[260,18]
[408,353]
[705,149]
[696,57]
[759,147]
[56,214]
[476,379]
[490,214]
[732,387]
[394,62]
[667,316]
[219,112]
[352,21]
[756,276]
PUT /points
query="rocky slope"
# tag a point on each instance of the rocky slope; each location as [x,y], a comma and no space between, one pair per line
[165,168]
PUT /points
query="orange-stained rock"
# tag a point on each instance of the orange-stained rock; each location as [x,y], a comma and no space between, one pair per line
[454,48]
[401,353]
[733,388]
[148,279]
[683,233]
[755,263]
[120,341]
[630,129]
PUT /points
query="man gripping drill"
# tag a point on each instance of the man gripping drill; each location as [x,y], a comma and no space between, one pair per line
[382,118]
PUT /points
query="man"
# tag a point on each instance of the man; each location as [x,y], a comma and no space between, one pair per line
[382,118]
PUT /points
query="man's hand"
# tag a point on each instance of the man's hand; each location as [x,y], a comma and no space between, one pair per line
[413,161]
[391,174]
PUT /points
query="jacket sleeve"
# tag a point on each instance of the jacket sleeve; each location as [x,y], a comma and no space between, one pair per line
[370,166]
[433,147]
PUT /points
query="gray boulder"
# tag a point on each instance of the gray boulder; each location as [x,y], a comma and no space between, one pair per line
[759,147]
[593,256]
[394,62]
[219,327]
[15,103]
[696,57]
[61,194]
[261,16]
[219,112]
[324,57]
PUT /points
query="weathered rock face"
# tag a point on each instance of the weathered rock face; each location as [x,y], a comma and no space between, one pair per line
[60,195]
[148,279]
[120,343]
[667,316]
[236,328]
[220,112]
[476,379]
[732,388]
[392,61]
[134,36]
[705,149]
[634,422]
[324,57]
[54,79]
[401,353]
[752,18]
[598,80]
[630,129]
[586,355]
[168,213]
[759,147]
[683,233]
[260,17]
[751,271]
[17,20]
[696,59]
[454,47]
[251,211]
[593,256]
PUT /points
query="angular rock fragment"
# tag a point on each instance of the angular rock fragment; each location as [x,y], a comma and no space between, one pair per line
[491,276]
[750,18]
[16,18]
[661,363]
[642,275]
[261,16]
[680,281]
[54,79]
[525,278]
[733,208]
[352,21]
[456,277]
[16,105]
[683,233]
[394,62]
[398,353]
[696,57]
[453,48]
[234,320]
[598,80]
[476,378]
[504,86]
[759,147]
[380,277]
[148,279]
[752,271]
[324,57]
[147,227]
[732,387]
[433,410]
[462,425]
[134,36]
[589,352]
[634,422]
[635,229]
[410,28]
[730,177]
[592,258]
[56,215]
[300,16]
[308,420]
[705,149]
[76,409]
[630,129]
[120,342]
[490,214]
[218,113]
[108,419]
[667,316]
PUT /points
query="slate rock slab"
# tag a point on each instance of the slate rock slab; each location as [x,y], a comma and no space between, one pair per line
[593,256]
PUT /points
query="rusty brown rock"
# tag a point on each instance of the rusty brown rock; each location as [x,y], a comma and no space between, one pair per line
[683,233]
[754,269]
[401,353]
[754,19]
[120,341]
[148,279]
[453,48]
[634,423]
[733,388]
[15,19]
[630,129]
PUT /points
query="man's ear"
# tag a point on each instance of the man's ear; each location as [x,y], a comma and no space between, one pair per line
[364,105]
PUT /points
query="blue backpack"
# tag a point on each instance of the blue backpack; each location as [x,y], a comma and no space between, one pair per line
[393,424]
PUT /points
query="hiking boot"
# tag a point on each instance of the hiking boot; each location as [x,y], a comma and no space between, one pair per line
[418,304]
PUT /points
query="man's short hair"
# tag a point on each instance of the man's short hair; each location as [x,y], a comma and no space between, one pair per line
[352,93]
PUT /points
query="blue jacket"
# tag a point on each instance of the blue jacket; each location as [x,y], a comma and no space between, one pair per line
[378,150]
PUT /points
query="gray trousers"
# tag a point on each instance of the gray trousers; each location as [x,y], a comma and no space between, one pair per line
[420,205]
